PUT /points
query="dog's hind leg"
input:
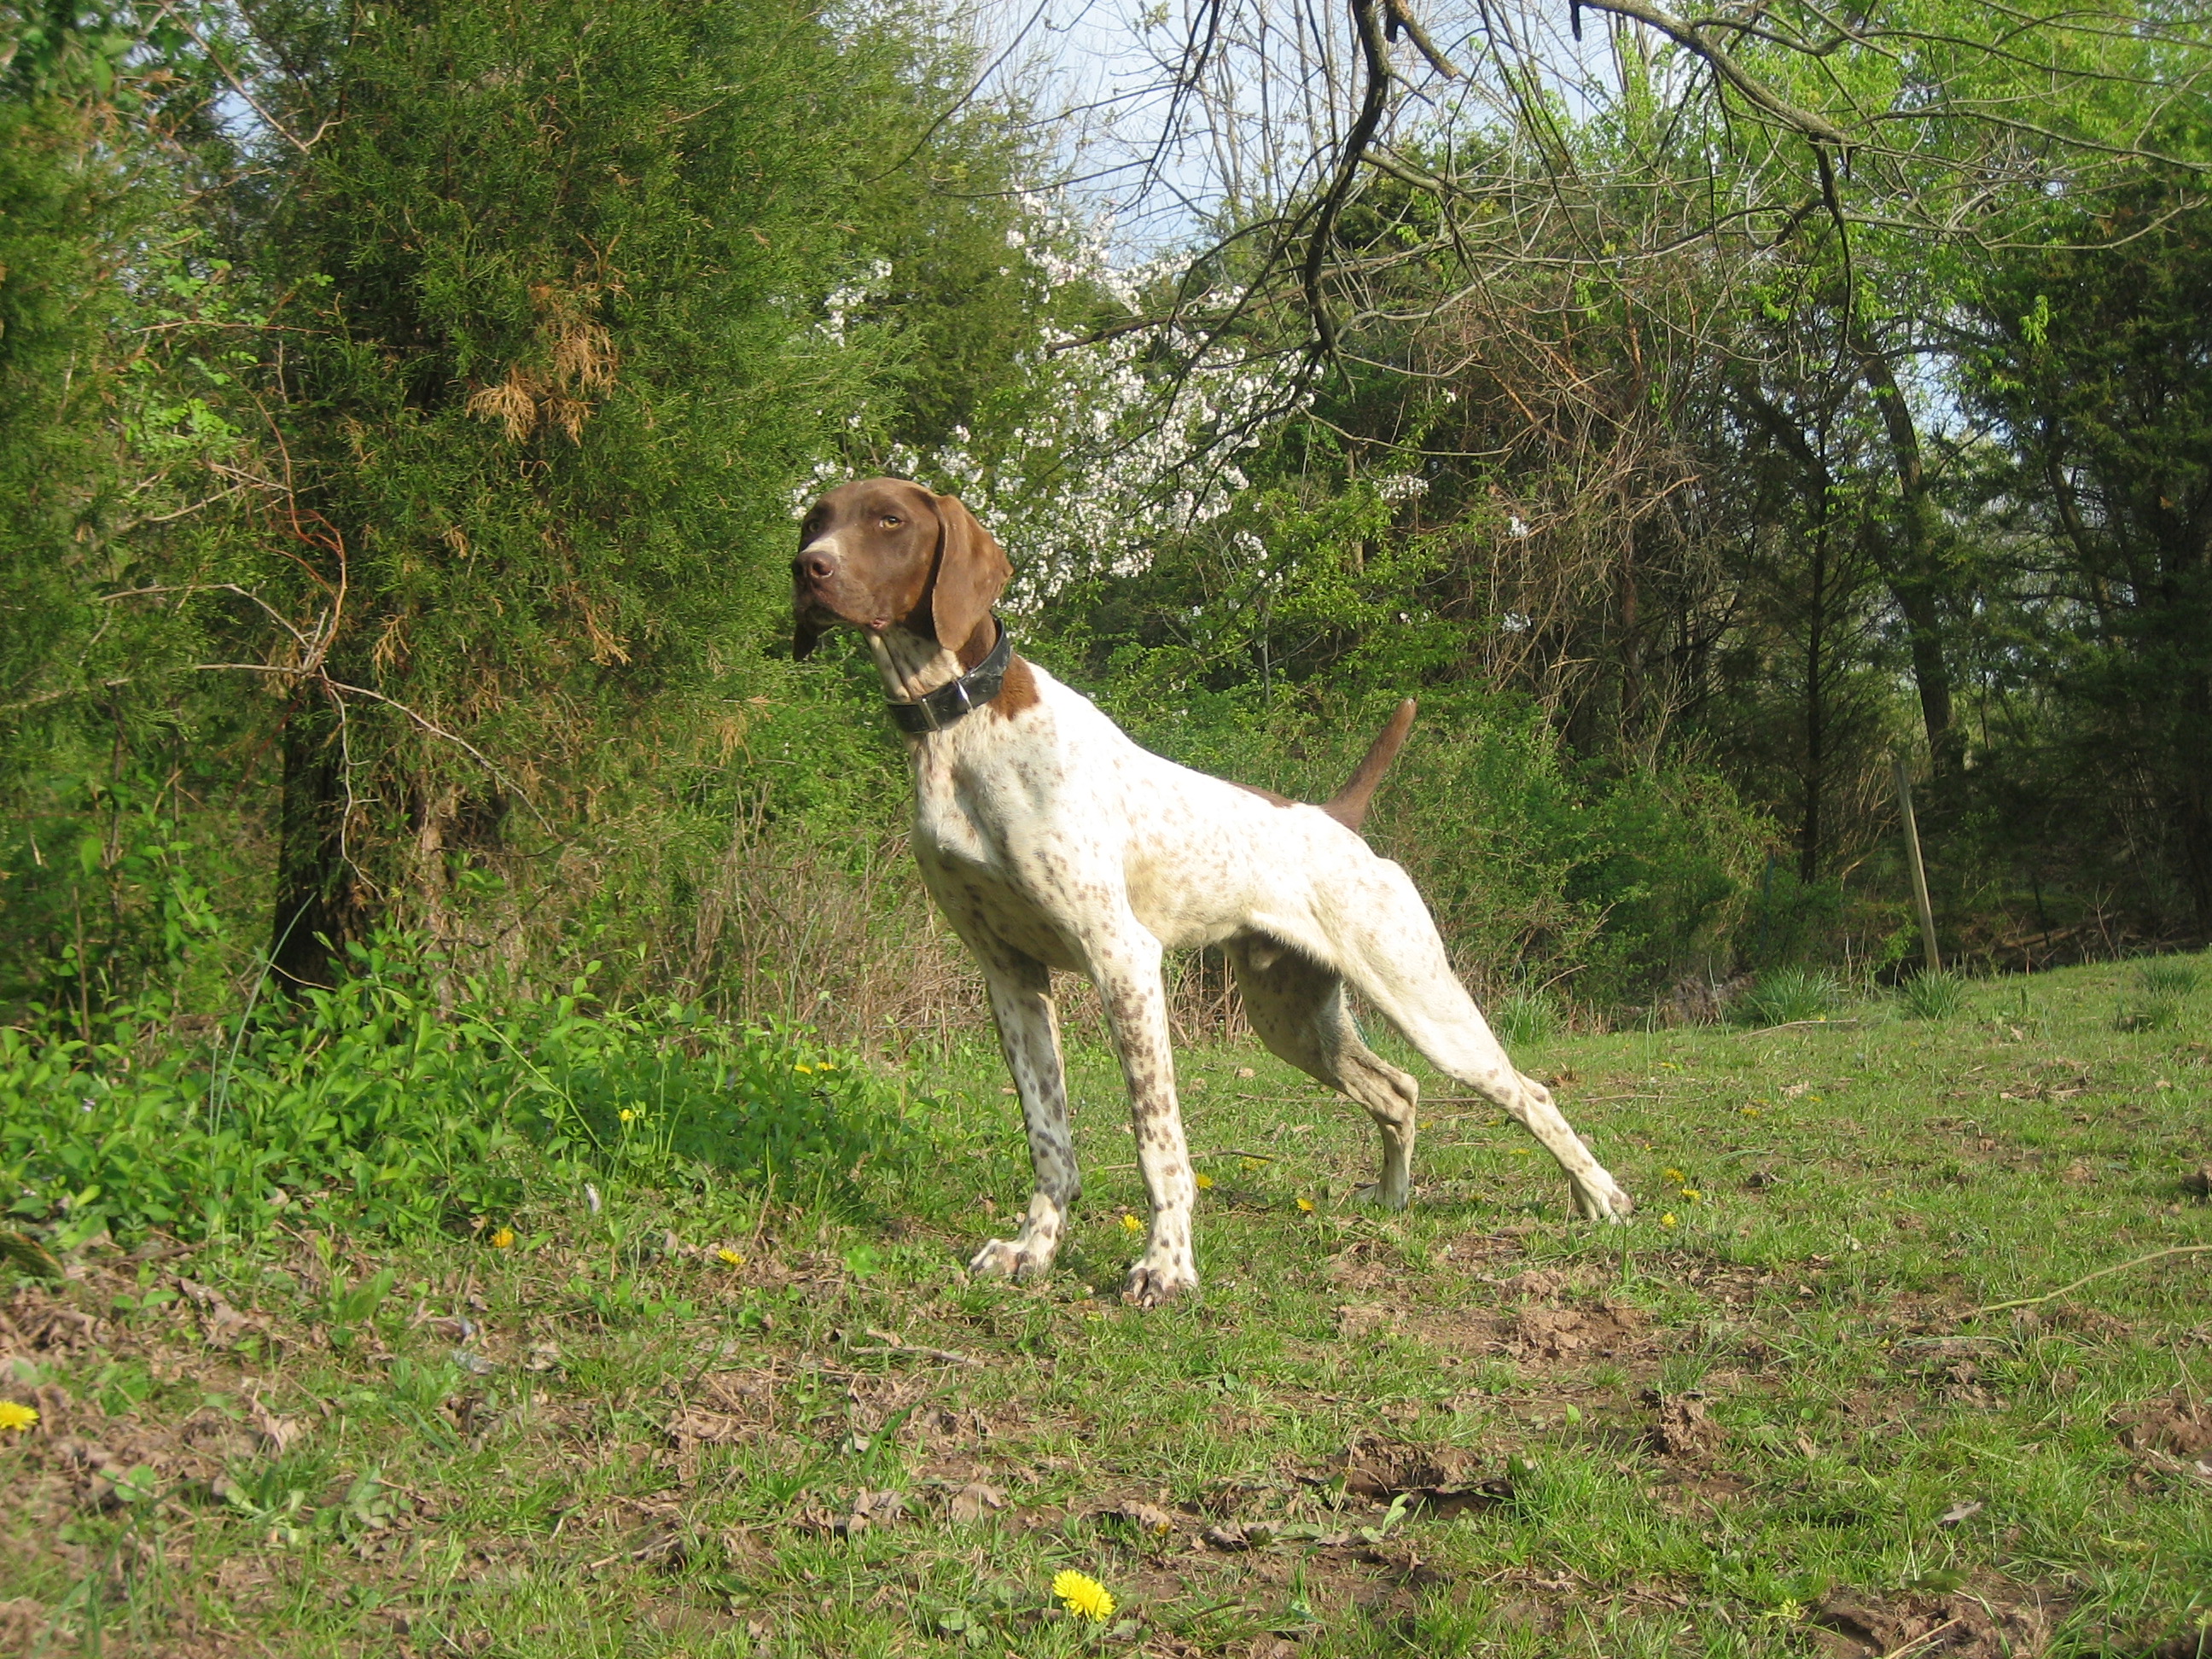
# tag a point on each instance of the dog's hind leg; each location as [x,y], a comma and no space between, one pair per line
[1386,947]
[1297,1007]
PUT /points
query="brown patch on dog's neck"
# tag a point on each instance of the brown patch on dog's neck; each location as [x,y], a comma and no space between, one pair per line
[977,646]
[1017,691]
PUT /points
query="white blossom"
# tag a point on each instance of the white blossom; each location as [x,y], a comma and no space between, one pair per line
[1115,457]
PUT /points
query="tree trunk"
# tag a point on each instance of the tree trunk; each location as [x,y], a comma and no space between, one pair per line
[1816,729]
[320,903]
[1916,582]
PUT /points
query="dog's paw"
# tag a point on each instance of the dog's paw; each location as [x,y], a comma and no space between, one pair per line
[1603,1200]
[1005,1259]
[1151,1283]
[1381,1197]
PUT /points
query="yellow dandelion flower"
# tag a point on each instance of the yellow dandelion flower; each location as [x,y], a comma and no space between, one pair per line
[1085,1596]
[801,1066]
[1248,1163]
[1204,1181]
[503,1239]
[1130,1224]
[1692,1194]
[16,1417]
[628,1115]
[1667,1219]
[731,1257]
[1306,1204]
[1750,1111]
[1673,1175]
[1522,1151]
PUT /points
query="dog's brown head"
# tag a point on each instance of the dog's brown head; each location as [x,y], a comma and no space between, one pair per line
[887,553]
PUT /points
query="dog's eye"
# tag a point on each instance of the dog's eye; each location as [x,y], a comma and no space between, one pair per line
[892,521]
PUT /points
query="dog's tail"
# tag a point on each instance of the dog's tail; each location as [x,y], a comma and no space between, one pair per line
[1348,806]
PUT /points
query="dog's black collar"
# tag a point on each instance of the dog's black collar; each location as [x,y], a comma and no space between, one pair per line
[945,706]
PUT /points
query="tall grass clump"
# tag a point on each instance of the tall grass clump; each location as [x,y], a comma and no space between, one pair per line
[1784,996]
[2161,989]
[1937,996]
[375,1101]
[1523,1018]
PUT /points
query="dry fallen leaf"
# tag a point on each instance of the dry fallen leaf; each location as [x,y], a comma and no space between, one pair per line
[1146,1517]
[278,1433]
[972,1500]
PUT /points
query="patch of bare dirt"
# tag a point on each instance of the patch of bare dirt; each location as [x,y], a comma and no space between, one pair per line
[1734,1283]
[2170,1439]
[1994,1623]
[2174,1423]
[1609,1330]
[1366,1264]
[23,1623]
[1457,1328]
[1439,1479]
[100,1461]
[1683,1428]
[1538,1285]
[1474,1248]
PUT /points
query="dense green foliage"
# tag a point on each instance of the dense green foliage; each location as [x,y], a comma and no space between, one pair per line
[406,406]
[378,1104]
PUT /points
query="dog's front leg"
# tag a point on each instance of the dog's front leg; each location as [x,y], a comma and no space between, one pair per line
[1128,972]
[1029,1035]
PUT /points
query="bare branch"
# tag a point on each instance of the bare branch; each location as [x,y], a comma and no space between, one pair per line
[1692,37]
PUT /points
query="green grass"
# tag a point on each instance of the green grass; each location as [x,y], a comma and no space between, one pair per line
[1936,996]
[1790,996]
[1776,1422]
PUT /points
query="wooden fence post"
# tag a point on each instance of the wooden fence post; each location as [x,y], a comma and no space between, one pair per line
[1919,871]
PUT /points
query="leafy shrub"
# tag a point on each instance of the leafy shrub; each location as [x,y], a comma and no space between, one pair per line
[375,1101]
[1937,996]
[1789,994]
[1523,1018]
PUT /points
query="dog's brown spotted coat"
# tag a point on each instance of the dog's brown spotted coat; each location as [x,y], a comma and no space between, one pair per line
[1051,840]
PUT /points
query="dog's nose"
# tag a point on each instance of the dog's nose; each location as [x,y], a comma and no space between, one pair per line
[815,562]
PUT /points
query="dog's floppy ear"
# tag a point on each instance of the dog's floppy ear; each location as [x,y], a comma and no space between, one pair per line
[971,573]
[804,635]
